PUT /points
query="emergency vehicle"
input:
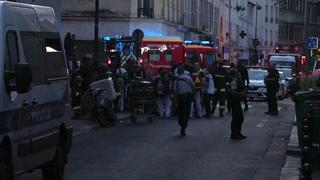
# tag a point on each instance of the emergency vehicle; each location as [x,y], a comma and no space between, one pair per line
[161,51]
[283,57]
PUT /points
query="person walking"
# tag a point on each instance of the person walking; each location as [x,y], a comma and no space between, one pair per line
[236,94]
[220,79]
[162,89]
[272,85]
[208,91]
[183,90]
[245,83]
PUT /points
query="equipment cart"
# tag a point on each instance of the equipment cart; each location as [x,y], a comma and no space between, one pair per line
[141,100]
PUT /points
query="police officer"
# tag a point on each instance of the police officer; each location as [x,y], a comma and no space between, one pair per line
[272,84]
[236,94]
[220,79]
[183,90]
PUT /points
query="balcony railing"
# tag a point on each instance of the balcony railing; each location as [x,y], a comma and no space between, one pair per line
[145,12]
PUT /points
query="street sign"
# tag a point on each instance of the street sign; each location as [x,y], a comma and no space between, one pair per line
[313,43]
[255,42]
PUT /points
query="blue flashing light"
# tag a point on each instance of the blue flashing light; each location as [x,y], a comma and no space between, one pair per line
[205,42]
[106,38]
[188,42]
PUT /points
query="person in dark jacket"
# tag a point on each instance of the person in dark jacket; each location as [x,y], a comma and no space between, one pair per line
[245,82]
[220,80]
[236,93]
[272,84]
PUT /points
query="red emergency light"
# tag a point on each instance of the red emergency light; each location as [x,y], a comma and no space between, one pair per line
[109,62]
[303,60]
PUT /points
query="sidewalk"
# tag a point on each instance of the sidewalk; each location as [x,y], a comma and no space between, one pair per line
[291,169]
[81,126]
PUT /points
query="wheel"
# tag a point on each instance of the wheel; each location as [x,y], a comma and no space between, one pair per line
[54,170]
[6,170]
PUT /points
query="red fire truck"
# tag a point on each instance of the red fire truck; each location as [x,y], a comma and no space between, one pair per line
[283,56]
[162,50]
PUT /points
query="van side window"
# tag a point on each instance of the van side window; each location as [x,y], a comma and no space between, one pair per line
[12,51]
[34,55]
[11,59]
[154,55]
[55,63]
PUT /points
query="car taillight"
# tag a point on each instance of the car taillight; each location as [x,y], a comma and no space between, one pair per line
[109,62]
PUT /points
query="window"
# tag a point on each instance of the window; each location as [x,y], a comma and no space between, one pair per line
[11,59]
[210,58]
[154,55]
[54,61]
[145,8]
[284,4]
[201,58]
[12,51]
[192,57]
[169,56]
[34,55]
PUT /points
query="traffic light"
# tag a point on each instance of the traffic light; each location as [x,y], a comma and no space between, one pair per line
[277,49]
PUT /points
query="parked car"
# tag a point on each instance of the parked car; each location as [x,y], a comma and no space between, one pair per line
[257,89]
[289,79]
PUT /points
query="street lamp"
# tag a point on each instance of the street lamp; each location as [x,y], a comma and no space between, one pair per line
[258,7]
[96,30]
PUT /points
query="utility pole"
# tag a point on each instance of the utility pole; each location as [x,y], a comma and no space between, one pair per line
[230,7]
[96,30]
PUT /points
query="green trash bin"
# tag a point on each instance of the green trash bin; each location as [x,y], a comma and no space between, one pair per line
[313,109]
[300,98]
[307,105]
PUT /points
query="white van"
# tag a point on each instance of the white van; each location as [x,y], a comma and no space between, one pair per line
[35,130]
[282,60]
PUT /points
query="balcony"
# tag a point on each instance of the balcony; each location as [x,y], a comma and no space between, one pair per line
[145,13]
[266,19]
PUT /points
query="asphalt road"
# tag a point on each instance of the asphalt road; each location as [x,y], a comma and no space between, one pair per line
[157,152]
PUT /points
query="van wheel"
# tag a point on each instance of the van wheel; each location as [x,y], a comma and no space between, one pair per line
[54,170]
[6,170]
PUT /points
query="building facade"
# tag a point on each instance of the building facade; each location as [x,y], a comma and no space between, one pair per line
[243,21]
[292,25]
[189,19]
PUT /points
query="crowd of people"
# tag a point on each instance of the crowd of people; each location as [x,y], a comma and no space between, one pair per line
[195,91]
[185,90]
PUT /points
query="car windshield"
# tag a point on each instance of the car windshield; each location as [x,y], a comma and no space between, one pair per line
[257,74]
[282,63]
[282,77]
[286,72]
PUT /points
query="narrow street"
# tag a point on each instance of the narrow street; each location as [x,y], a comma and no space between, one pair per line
[150,152]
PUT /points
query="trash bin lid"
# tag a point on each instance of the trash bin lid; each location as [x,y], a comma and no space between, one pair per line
[311,95]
